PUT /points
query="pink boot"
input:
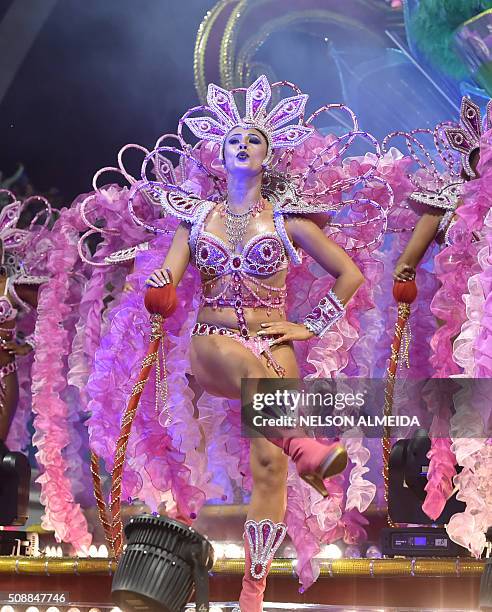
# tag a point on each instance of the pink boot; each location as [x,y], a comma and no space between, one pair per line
[314,461]
[261,541]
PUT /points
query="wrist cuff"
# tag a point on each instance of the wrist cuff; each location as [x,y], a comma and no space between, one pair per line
[326,313]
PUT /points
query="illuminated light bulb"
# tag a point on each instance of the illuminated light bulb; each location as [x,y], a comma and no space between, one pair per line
[289,552]
[32,609]
[329,551]
[53,609]
[59,551]
[232,551]
[73,610]
[94,610]
[103,551]
[216,609]
[333,551]
[373,552]
[116,610]
[219,550]
[7,609]
[83,552]
[352,552]
[93,551]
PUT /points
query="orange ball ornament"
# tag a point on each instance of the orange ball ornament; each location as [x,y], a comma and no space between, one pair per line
[405,291]
[161,300]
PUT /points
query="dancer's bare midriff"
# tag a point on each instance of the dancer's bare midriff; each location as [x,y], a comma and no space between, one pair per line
[225,316]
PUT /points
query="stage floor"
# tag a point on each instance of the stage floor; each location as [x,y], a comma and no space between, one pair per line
[348,585]
[271,607]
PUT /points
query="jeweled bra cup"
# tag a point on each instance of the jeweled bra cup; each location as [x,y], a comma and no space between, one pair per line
[262,255]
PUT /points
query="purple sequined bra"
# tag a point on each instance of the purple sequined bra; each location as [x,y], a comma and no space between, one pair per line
[235,278]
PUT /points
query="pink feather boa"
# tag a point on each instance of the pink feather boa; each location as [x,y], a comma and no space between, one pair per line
[34,258]
[52,421]
[58,399]
[473,353]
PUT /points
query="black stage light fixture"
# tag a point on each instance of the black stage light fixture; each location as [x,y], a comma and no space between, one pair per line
[15,480]
[408,467]
[407,479]
[163,563]
[485,596]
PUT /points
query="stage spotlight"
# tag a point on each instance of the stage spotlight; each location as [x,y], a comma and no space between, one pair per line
[164,561]
[15,480]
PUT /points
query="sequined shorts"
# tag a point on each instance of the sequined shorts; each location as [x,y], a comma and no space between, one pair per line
[257,345]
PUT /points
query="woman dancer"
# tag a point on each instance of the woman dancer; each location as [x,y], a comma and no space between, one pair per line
[252,215]
[451,208]
[241,247]
[440,206]
[18,297]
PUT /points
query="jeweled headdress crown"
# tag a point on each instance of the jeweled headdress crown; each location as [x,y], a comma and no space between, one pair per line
[223,107]
[11,236]
[14,240]
[466,137]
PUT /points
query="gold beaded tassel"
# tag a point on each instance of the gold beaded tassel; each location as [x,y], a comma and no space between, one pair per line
[111,517]
[399,347]
[161,386]
[101,504]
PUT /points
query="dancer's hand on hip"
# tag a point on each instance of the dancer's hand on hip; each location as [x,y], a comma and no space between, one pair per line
[160,278]
[286,331]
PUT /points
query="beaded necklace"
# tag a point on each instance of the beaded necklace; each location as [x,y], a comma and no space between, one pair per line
[237,223]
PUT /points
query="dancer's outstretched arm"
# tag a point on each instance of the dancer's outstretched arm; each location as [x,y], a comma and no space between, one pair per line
[176,261]
[424,233]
